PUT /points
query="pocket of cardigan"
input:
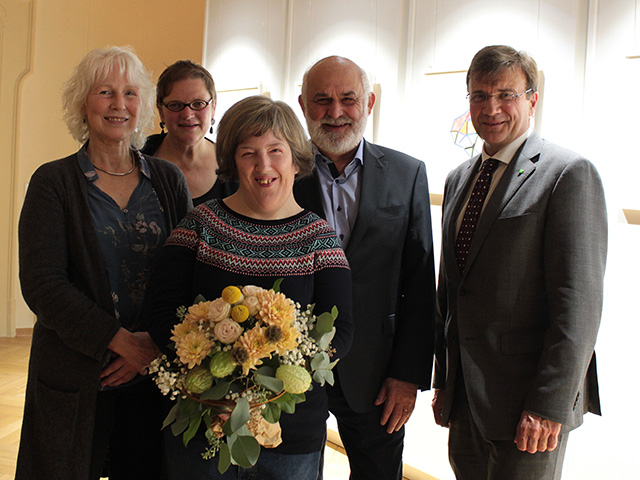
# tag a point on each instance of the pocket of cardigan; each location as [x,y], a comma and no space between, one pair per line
[55,414]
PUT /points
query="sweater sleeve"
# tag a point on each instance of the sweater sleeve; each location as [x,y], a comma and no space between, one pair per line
[57,289]
[332,287]
[171,284]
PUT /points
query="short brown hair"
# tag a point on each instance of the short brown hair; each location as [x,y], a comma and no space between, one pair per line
[495,59]
[180,70]
[252,117]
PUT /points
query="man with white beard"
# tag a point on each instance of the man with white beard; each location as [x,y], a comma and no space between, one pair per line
[377,200]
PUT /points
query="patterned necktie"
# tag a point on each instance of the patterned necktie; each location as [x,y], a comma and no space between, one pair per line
[472,213]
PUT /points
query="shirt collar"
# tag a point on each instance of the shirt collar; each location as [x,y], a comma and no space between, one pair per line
[90,172]
[323,161]
[507,153]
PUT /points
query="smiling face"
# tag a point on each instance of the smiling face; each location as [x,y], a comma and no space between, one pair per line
[188,126]
[336,107]
[266,173]
[499,124]
[112,108]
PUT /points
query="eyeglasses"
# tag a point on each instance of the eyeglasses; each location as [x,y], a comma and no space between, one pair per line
[503,98]
[196,105]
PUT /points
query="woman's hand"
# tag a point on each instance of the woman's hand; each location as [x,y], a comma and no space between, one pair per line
[117,373]
[135,348]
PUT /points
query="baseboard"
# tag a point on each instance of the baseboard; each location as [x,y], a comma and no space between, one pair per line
[409,473]
[24,332]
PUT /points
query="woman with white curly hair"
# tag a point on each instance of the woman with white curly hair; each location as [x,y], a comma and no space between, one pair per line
[89,229]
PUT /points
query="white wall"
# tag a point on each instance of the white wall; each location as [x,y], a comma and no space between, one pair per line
[590,101]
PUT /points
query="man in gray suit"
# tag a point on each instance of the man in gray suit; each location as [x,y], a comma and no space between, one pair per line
[520,288]
[378,201]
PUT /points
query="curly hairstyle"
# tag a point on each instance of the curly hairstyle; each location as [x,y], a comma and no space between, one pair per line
[255,116]
[93,69]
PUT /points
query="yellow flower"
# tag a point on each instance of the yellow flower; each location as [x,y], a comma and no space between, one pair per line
[183,329]
[275,309]
[197,312]
[254,347]
[288,340]
[239,313]
[232,295]
[193,348]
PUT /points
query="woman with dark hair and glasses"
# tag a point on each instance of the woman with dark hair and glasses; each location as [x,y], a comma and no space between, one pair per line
[186,100]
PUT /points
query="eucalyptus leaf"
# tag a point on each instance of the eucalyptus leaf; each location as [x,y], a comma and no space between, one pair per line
[194,423]
[274,384]
[271,412]
[199,298]
[245,451]
[325,339]
[268,371]
[239,417]
[320,360]
[322,376]
[217,392]
[286,403]
[224,458]
[179,426]
[171,416]
[298,397]
[324,322]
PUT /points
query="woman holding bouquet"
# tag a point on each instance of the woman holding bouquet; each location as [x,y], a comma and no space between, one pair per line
[89,228]
[255,237]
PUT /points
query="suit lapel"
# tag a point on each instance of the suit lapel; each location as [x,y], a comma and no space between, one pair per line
[308,194]
[458,193]
[373,179]
[519,170]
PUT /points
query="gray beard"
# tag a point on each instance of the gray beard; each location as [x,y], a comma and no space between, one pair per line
[333,143]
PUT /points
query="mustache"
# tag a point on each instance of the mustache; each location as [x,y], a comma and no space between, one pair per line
[336,121]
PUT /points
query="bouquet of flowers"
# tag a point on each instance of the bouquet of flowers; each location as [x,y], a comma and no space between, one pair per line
[241,360]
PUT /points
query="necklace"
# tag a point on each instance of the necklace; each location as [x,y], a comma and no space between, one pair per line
[117,174]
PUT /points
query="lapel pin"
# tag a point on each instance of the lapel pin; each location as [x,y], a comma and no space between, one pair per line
[520,172]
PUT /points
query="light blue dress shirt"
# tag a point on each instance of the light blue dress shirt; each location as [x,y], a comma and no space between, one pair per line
[341,193]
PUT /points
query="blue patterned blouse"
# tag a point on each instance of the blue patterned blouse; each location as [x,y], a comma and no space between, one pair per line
[128,238]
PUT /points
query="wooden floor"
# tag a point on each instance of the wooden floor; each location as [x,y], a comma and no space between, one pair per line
[14,357]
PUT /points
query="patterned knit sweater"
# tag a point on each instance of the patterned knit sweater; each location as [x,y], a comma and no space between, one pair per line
[214,247]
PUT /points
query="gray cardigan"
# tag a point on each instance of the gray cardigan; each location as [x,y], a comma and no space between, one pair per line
[64,282]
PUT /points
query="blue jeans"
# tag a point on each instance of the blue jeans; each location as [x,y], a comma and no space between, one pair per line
[188,464]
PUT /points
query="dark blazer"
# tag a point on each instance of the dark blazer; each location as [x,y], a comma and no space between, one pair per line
[391,257]
[521,320]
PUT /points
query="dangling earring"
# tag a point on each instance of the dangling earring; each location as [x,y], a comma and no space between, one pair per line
[162,127]
[213,120]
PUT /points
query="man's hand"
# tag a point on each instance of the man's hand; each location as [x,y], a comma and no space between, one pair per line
[399,399]
[437,404]
[536,434]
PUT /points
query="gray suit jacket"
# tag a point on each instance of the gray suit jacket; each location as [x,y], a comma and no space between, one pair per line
[520,322]
[391,257]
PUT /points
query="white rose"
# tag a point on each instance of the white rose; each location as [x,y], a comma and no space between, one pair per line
[219,310]
[227,331]
[252,304]
[251,290]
